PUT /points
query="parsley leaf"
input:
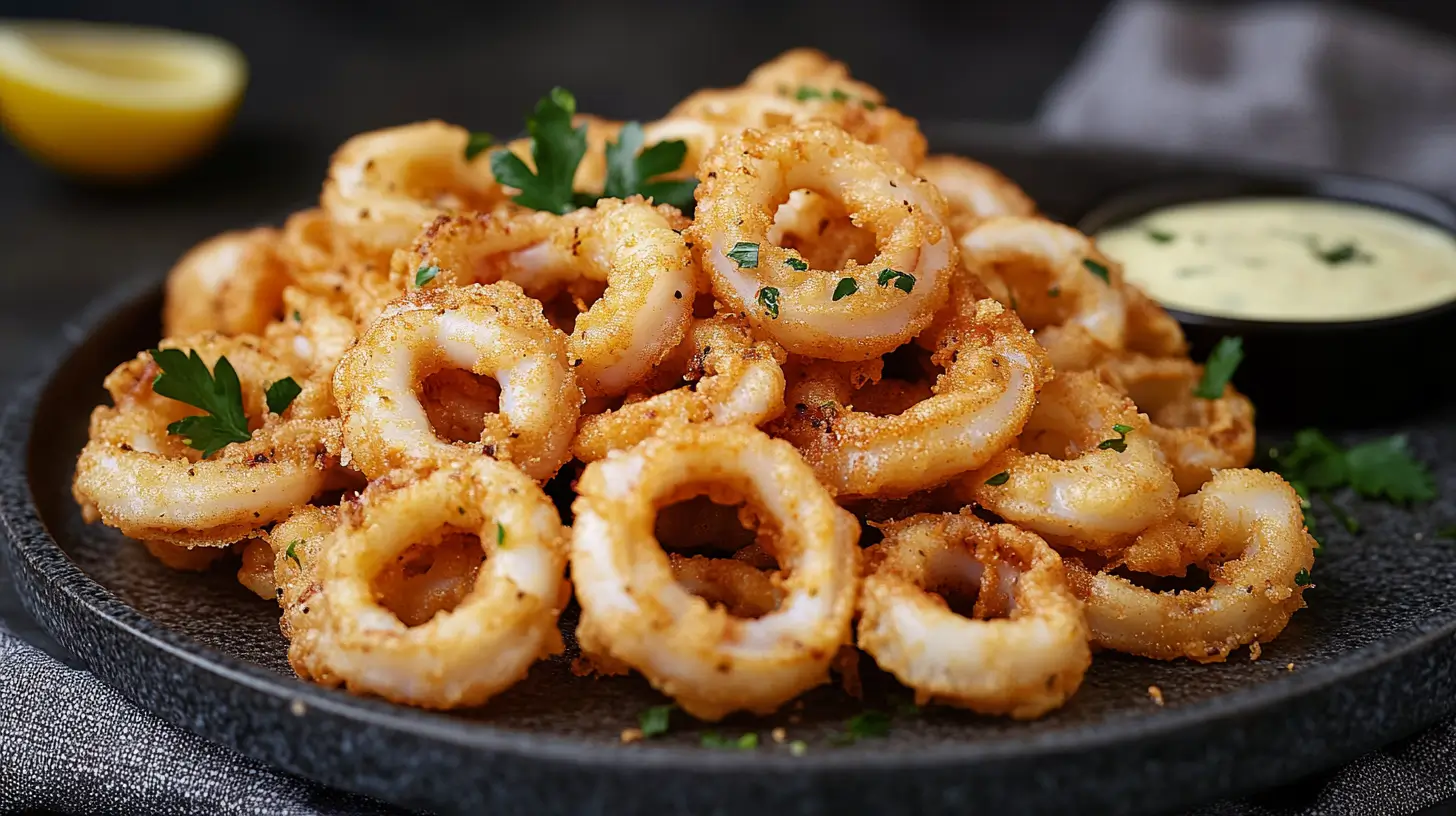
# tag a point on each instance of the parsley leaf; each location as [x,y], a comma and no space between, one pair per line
[556,150]
[805,93]
[281,394]
[1302,577]
[747,742]
[1338,254]
[846,287]
[865,725]
[1384,468]
[629,173]
[999,479]
[797,264]
[500,534]
[1158,236]
[904,281]
[1220,368]
[1120,443]
[185,378]
[1098,269]
[768,298]
[476,143]
[425,274]
[654,721]
[291,552]
[745,254]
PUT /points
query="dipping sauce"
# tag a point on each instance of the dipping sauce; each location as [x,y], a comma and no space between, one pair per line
[1296,259]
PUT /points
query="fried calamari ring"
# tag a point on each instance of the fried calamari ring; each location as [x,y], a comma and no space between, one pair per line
[1025,662]
[135,476]
[635,613]
[811,68]
[1150,329]
[384,185]
[993,370]
[466,655]
[974,191]
[230,284]
[817,227]
[1249,520]
[1055,281]
[815,312]
[1198,435]
[1086,467]
[491,331]
[631,247]
[298,546]
[728,378]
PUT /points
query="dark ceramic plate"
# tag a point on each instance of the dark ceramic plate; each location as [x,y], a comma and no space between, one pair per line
[1371,660]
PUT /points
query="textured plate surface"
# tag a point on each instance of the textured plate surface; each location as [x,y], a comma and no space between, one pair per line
[1373,656]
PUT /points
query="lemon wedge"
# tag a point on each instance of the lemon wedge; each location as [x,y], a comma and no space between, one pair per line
[115,102]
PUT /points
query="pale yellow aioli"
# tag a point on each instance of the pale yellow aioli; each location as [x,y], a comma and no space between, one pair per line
[1298,259]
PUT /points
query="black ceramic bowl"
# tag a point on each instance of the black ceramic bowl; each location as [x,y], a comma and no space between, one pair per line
[1351,373]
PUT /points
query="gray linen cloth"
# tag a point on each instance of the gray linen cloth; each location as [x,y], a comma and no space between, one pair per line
[1291,83]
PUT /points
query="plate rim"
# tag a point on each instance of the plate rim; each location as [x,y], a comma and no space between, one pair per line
[30,545]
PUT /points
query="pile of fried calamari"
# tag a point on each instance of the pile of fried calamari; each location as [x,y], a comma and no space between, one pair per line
[732,347]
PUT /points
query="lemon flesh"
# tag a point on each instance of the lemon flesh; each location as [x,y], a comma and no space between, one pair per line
[115,102]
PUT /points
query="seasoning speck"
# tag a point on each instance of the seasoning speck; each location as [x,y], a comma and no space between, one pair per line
[1255,651]
[1157,695]
[630,735]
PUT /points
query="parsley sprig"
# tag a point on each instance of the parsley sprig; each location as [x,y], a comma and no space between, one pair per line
[1379,469]
[557,149]
[655,720]
[185,378]
[1223,361]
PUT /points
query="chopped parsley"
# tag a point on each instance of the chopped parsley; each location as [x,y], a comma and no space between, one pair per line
[500,534]
[747,742]
[476,143]
[1339,253]
[869,104]
[846,287]
[185,378]
[745,254]
[281,394]
[1158,236]
[292,552]
[1055,291]
[768,298]
[999,479]
[1120,443]
[903,281]
[654,721]
[798,748]
[838,95]
[1302,577]
[425,274]
[1220,368]
[630,172]
[865,725]
[797,264]
[1098,269]
[297,318]
[805,93]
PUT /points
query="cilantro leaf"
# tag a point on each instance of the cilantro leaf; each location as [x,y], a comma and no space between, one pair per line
[768,298]
[745,254]
[1314,461]
[185,378]
[476,143]
[281,394]
[654,721]
[629,173]
[556,149]
[845,288]
[1384,468]
[425,274]
[1220,368]
[1098,269]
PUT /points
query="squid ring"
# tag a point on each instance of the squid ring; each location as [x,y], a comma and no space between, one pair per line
[1251,517]
[1061,286]
[148,484]
[633,612]
[993,370]
[735,380]
[493,331]
[844,314]
[230,284]
[1025,662]
[463,656]
[974,191]
[1198,435]
[1110,481]
[741,588]
[630,246]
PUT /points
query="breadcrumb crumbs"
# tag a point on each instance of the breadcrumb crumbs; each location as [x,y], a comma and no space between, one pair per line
[631,735]
[1255,650]
[779,735]
[1156,693]
[1290,667]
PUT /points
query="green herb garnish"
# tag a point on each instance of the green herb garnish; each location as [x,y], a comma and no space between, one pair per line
[1302,577]
[476,143]
[798,748]
[1158,236]
[1338,254]
[903,281]
[1379,469]
[1220,368]
[865,725]
[1055,291]
[1097,269]
[745,254]
[999,479]
[630,173]
[846,287]
[556,150]
[185,378]
[500,534]
[747,742]
[1447,532]
[797,264]
[291,552]
[425,274]
[838,95]
[654,721]
[805,93]
[1120,443]
[768,298]
[281,394]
